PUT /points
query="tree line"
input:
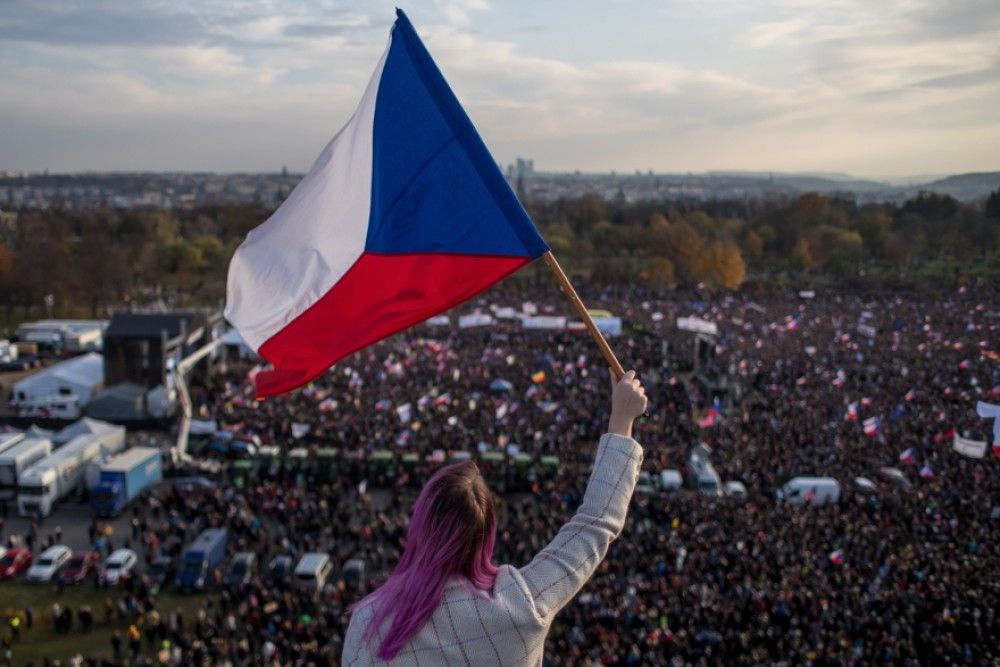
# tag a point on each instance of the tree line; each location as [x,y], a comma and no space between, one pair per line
[90,260]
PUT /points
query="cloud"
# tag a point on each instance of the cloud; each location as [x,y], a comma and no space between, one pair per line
[252,84]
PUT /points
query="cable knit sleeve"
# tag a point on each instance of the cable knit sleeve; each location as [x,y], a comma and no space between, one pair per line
[561,569]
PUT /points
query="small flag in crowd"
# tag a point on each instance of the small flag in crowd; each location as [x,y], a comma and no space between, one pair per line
[910,396]
[866,402]
[927,472]
[404,214]
[995,391]
[791,323]
[538,377]
[716,408]
[872,426]
[965,365]
[852,411]
[383,404]
[908,456]
[443,399]
[837,557]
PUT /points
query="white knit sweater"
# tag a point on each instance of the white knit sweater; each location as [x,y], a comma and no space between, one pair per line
[508,625]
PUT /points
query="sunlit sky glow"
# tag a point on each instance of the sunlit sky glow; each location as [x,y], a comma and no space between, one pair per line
[867,87]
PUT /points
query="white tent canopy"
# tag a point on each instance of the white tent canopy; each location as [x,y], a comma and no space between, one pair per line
[88,426]
[81,377]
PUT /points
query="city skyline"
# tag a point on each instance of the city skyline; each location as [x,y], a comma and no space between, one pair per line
[873,90]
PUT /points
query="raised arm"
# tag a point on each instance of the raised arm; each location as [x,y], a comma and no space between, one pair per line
[559,570]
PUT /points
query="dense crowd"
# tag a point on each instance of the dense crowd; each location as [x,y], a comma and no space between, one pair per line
[903,574]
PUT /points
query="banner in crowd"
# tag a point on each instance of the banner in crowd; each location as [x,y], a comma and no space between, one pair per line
[974,449]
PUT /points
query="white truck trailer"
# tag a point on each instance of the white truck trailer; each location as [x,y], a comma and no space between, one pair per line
[15,460]
[53,478]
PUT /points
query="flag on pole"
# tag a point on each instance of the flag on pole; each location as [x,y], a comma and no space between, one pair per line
[872,426]
[908,456]
[852,412]
[404,215]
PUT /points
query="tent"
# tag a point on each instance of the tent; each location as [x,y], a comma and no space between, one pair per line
[80,377]
[121,403]
[112,437]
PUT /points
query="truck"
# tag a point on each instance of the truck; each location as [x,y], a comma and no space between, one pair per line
[201,559]
[15,460]
[56,476]
[8,439]
[8,351]
[123,478]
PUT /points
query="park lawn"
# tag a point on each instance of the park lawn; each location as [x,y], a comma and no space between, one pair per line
[42,641]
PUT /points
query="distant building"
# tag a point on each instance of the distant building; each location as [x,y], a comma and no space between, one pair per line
[8,224]
[524,168]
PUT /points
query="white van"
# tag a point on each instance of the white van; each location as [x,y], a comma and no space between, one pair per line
[312,572]
[702,474]
[817,490]
[671,480]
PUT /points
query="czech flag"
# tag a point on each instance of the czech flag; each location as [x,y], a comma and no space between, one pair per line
[908,456]
[404,215]
[872,426]
[852,412]
[837,557]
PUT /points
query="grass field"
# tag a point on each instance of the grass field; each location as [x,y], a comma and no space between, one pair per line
[42,641]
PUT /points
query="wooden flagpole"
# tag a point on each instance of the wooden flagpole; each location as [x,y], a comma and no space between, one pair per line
[581,310]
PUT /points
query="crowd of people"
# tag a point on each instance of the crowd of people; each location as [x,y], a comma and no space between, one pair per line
[838,385]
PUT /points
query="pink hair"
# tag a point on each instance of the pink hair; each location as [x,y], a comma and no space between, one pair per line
[452,533]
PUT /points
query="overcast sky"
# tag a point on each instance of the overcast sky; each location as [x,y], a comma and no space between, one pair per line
[867,87]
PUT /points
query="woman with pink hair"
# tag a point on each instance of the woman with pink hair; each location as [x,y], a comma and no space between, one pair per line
[447,603]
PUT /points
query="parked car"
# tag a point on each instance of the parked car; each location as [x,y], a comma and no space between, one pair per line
[49,563]
[645,483]
[162,570]
[241,570]
[119,566]
[279,570]
[671,480]
[312,572]
[896,476]
[353,574]
[735,488]
[81,565]
[15,562]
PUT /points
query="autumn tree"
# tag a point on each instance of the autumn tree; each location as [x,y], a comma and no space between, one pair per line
[802,257]
[723,265]
[686,249]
